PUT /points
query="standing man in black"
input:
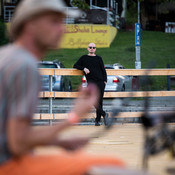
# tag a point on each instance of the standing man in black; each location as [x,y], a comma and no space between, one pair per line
[94,70]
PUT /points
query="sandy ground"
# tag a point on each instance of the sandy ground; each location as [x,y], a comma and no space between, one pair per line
[124,141]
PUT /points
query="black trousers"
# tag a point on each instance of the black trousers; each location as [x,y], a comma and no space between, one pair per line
[99,109]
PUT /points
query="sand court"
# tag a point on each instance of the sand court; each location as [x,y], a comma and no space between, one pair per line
[124,141]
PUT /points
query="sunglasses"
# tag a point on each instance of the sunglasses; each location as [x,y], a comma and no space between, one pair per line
[92,47]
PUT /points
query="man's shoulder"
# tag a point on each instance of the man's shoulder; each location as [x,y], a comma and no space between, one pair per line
[83,56]
[98,56]
[5,49]
[16,57]
[12,51]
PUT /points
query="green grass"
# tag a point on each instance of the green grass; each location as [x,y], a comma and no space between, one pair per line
[157,46]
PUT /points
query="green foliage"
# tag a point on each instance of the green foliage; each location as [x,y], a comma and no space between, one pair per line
[81,4]
[165,6]
[131,13]
[157,46]
[3,34]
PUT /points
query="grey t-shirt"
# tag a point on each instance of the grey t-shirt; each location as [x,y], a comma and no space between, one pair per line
[19,88]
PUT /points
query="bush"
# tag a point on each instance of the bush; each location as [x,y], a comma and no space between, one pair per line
[3,33]
[80,4]
[131,13]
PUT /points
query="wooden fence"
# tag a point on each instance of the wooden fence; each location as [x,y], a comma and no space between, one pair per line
[74,72]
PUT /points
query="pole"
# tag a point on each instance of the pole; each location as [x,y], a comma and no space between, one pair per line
[90,4]
[168,80]
[108,12]
[138,10]
[138,38]
[50,98]
[114,13]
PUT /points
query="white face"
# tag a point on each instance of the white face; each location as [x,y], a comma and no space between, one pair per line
[48,30]
[91,48]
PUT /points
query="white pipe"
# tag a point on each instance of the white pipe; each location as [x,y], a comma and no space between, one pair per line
[90,4]
[124,9]
[138,6]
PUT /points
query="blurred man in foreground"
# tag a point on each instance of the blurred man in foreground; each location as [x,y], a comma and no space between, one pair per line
[37,26]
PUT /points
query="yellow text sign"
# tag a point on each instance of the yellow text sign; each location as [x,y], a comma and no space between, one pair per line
[79,35]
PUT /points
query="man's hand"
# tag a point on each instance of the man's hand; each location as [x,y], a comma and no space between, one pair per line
[87,71]
[87,99]
[22,137]
[73,144]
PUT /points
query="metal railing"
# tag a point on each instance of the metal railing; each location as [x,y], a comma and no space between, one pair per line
[170,27]
[8,13]
[9,10]
[70,20]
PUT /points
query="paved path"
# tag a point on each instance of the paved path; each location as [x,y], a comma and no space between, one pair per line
[124,141]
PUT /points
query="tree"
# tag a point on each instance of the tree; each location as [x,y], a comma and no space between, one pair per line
[131,13]
[81,4]
[3,33]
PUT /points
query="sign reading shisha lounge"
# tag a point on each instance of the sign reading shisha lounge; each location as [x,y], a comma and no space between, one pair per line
[79,36]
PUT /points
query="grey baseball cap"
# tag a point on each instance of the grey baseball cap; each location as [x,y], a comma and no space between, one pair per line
[29,8]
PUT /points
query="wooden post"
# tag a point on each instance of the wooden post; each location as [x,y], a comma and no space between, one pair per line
[168,80]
